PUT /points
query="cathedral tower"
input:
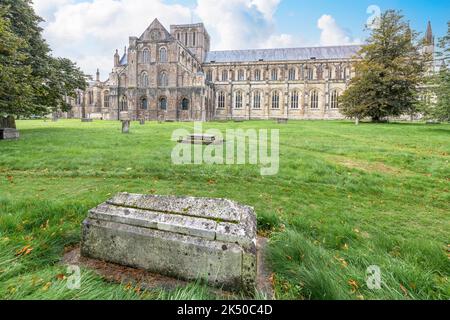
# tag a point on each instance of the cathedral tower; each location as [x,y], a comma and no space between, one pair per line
[194,37]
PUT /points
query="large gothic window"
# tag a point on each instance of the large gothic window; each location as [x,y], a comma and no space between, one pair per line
[144,79]
[241,75]
[209,75]
[274,75]
[185,104]
[225,75]
[144,103]
[163,103]
[238,100]
[91,97]
[106,99]
[163,55]
[257,100]
[294,100]
[257,75]
[314,99]
[338,72]
[334,100]
[310,73]
[146,56]
[221,101]
[163,80]
[292,74]
[275,100]
[123,105]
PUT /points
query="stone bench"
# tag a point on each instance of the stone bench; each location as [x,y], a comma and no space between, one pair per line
[282,120]
[183,237]
[9,134]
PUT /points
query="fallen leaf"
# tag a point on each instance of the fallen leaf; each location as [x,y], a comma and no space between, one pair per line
[10,179]
[405,292]
[354,285]
[24,251]
[60,276]
[47,286]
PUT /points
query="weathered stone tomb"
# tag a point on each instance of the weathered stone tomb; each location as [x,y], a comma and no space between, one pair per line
[183,237]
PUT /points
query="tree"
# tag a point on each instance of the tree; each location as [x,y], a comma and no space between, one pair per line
[15,91]
[389,68]
[50,79]
[440,83]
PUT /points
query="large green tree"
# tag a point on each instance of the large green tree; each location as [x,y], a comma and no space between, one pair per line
[440,83]
[50,80]
[15,75]
[389,69]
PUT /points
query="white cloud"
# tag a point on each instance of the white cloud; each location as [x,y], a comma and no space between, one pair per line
[239,24]
[90,31]
[332,33]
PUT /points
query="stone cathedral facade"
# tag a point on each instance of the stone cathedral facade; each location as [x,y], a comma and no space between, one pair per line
[173,76]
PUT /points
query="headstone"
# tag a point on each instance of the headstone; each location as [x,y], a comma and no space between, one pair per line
[183,237]
[125,126]
[141,122]
[204,139]
[239,119]
[86,120]
[282,120]
[9,134]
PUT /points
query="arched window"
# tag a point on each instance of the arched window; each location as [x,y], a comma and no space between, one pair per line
[292,74]
[144,103]
[310,73]
[144,79]
[257,100]
[209,75]
[163,55]
[338,72]
[314,100]
[330,72]
[294,100]
[257,75]
[106,99]
[319,73]
[163,80]
[275,100]
[225,75]
[78,98]
[334,103]
[91,97]
[238,100]
[241,75]
[123,106]
[146,56]
[163,103]
[274,75]
[185,104]
[221,100]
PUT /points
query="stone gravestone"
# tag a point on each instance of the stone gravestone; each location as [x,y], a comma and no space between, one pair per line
[86,120]
[141,122]
[183,237]
[282,120]
[8,130]
[125,126]
[204,139]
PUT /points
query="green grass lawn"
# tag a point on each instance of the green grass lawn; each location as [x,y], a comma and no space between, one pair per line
[345,198]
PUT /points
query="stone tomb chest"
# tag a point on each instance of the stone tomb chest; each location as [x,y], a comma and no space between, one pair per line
[183,237]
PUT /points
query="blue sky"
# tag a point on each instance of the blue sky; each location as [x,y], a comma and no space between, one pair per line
[89,31]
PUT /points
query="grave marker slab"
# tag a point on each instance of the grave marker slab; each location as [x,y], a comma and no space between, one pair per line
[184,237]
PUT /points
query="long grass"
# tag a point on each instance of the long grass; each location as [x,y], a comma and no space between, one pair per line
[345,198]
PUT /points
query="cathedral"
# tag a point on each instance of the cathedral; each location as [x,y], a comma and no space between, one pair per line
[173,76]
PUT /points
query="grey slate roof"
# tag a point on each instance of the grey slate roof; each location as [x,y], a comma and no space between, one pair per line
[289,54]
